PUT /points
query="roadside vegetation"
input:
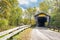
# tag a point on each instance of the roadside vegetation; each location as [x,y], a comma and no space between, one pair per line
[12,15]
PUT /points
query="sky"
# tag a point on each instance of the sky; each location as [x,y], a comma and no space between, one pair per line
[29,3]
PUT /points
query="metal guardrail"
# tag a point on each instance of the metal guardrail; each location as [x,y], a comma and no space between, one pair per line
[8,31]
[17,30]
[55,28]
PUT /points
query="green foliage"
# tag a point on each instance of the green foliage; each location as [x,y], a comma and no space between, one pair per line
[31,13]
[26,21]
[3,22]
[55,18]
[15,16]
[44,7]
[10,13]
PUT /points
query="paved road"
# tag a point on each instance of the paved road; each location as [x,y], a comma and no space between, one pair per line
[41,33]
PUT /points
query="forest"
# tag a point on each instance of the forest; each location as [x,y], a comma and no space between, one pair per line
[12,15]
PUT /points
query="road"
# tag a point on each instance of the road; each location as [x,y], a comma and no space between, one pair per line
[41,33]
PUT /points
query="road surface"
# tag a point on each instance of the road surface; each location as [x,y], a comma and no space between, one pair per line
[41,33]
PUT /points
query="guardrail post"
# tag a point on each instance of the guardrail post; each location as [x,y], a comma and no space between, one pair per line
[10,38]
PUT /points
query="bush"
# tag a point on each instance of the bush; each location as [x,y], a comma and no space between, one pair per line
[3,22]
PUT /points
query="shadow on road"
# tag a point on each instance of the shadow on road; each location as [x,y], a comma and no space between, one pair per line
[41,28]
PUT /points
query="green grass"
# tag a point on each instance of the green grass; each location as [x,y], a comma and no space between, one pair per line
[6,28]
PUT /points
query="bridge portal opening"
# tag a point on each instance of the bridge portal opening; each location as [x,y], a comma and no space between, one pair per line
[41,21]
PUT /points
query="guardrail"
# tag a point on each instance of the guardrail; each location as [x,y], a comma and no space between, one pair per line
[8,31]
[55,28]
[12,32]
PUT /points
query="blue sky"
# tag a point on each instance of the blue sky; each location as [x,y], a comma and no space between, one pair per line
[29,3]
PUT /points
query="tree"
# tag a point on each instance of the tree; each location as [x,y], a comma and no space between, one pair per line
[15,17]
[10,13]
[54,5]
[44,7]
[5,8]
[31,13]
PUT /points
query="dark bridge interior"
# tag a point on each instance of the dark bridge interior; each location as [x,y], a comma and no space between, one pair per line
[41,21]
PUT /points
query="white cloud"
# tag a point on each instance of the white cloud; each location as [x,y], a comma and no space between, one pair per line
[26,1]
[23,2]
[33,0]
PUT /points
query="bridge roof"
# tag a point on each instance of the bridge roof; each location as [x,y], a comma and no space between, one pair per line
[41,13]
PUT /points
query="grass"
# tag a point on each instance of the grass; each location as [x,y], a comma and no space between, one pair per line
[6,28]
[24,35]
